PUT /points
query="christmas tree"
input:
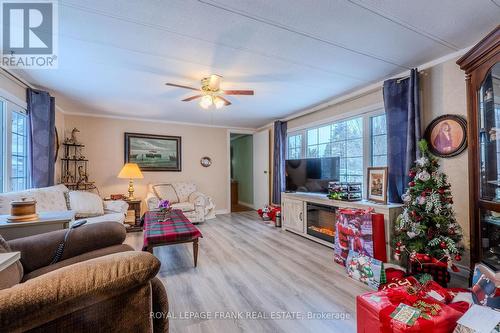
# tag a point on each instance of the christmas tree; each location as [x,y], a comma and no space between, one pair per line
[427,225]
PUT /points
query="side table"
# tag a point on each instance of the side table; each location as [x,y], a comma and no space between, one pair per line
[46,222]
[135,205]
[8,258]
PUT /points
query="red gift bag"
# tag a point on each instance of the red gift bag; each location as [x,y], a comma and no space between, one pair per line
[359,230]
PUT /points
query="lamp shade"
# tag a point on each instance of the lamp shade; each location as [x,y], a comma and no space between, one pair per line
[130,171]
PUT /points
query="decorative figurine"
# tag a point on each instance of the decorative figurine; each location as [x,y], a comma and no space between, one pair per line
[68,177]
[82,176]
[73,135]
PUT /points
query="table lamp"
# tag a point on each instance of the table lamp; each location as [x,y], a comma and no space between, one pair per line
[131,171]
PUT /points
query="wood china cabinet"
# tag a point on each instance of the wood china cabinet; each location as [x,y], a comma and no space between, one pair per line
[482,68]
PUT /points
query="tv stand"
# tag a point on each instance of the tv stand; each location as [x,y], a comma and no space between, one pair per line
[294,213]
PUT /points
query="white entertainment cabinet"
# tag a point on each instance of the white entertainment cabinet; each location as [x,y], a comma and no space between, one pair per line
[294,213]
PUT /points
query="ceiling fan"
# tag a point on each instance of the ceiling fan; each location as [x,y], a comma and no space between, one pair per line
[210,92]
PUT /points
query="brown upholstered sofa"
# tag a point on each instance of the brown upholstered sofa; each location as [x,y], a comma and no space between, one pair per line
[98,285]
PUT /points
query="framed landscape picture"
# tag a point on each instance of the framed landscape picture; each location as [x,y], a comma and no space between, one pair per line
[377,184]
[153,152]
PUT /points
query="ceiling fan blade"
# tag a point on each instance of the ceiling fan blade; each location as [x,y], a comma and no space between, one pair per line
[225,100]
[238,92]
[191,98]
[181,86]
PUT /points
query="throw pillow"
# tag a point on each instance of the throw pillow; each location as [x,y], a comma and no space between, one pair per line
[13,274]
[86,204]
[166,192]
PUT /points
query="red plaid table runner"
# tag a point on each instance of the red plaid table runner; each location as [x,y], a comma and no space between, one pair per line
[164,228]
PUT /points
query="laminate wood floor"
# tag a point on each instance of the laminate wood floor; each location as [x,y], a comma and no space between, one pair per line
[253,277]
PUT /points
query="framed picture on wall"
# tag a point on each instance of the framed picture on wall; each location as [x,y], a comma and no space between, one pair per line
[153,152]
[377,184]
[447,135]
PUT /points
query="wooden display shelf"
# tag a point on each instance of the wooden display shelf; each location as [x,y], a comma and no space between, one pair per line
[73,144]
[74,159]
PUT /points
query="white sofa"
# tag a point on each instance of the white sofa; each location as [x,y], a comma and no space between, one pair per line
[196,206]
[58,198]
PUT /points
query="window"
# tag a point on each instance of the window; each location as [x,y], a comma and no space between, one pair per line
[294,146]
[378,140]
[14,147]
[343,139]
[359,142]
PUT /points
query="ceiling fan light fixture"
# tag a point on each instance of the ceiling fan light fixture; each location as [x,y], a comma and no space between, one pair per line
[219,103]
[206,101]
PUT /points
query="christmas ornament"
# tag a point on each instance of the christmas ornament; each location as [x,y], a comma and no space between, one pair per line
[442,245]
[424,176]
[458,257]
[411,234]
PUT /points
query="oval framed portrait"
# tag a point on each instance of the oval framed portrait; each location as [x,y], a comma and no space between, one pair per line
[447,135]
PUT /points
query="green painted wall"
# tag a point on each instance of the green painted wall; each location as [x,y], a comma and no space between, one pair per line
[242,166]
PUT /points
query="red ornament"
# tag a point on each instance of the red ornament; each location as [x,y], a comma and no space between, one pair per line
[441,191]
[426,258]
[412,173]
[397,251]
[398,244]
[413,213]
[424,194]
[458,257]
[451,231]
[442,245]
[411,184]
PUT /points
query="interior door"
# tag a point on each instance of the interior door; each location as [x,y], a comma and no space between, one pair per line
[261,169]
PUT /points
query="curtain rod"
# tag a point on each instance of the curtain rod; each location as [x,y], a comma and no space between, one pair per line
[423,73]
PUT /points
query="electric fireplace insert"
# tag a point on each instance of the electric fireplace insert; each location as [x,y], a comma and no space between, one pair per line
[321,222]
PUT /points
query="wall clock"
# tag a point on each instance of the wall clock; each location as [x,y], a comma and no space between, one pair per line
[206,161]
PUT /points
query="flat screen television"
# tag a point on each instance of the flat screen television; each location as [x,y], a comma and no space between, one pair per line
[311,174]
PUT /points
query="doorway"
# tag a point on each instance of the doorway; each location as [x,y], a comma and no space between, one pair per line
[242,182]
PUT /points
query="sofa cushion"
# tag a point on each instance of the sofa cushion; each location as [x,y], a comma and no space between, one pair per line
[184,189]
[48,199]
[82,257]
[111,217]
[184,206]
[166,192]
[85,204]
[13,274]
[38,250]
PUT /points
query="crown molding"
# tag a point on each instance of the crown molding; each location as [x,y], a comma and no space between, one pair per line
[85,114]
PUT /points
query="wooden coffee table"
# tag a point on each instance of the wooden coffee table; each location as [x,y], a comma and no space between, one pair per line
[161,228]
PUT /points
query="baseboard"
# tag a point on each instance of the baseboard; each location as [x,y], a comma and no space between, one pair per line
[221,211]
[246,204]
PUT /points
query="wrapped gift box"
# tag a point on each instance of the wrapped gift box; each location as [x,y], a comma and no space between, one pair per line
[374,312]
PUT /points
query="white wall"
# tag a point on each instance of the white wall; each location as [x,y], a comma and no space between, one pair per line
[104,147]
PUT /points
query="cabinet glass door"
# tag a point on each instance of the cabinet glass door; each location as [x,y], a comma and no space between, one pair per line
[489,136]
[490,238]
